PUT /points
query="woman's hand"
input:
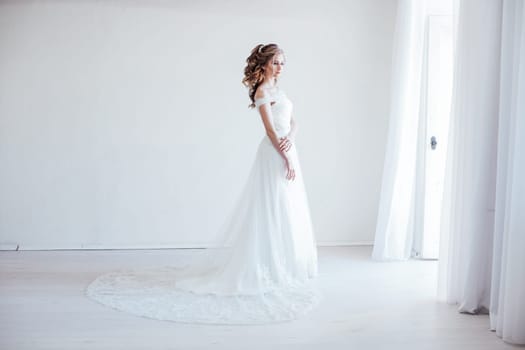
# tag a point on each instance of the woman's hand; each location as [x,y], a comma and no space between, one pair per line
[290,170]
[285,144]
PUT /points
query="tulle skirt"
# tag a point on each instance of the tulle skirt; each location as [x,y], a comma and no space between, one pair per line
[260,271]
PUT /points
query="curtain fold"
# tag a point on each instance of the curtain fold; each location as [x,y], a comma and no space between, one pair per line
[398,214]
[482,257]
[468,201]
[507,302]
[394,228]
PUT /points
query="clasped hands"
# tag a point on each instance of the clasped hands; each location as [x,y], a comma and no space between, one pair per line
[285,144]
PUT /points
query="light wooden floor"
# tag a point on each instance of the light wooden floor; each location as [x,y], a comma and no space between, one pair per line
[367,305]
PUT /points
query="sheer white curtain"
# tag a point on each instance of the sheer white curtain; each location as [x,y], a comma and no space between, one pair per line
[482,258]
[468,203]
[507,304]
[394,228]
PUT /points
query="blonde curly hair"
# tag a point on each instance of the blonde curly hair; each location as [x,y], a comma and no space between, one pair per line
[254,70]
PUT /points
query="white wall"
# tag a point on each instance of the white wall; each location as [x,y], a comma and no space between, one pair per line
[125,124]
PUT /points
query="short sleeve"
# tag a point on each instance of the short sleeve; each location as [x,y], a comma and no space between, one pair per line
[261,101]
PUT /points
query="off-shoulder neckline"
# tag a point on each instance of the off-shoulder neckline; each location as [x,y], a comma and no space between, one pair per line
[271,97]
[277,90]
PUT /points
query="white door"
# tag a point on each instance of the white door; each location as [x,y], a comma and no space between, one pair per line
[434,132]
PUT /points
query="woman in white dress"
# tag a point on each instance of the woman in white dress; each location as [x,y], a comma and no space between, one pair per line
[262,270]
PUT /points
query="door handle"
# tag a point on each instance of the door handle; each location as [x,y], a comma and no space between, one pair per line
[433,142]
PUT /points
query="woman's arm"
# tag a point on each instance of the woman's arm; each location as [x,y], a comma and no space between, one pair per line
[286,142]
[266,116]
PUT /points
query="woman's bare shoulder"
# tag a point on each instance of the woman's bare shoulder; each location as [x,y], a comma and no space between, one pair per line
[261,92]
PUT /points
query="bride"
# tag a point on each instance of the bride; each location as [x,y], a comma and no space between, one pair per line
[263,268]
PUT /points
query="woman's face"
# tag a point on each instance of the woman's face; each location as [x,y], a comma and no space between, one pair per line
[274,67]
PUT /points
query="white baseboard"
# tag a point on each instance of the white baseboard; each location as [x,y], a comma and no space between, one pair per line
[343,243]
[9,246]
[19,247]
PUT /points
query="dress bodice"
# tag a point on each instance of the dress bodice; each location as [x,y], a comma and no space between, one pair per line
[281,108]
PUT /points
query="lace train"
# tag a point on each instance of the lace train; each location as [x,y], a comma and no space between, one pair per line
[151,293]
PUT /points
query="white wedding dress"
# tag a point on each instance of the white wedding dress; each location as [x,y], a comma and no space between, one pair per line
[262,271]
